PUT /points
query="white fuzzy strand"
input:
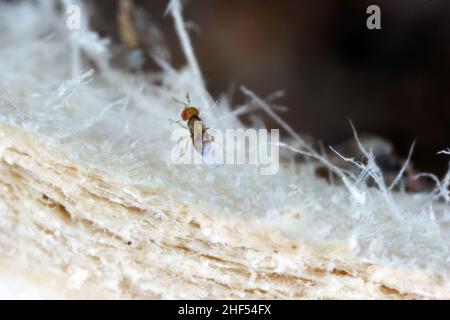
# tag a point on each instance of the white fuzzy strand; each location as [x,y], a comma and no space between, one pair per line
[175,9]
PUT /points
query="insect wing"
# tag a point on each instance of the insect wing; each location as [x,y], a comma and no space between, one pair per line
[213,154]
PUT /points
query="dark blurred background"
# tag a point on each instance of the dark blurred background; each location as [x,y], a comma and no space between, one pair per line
[392,82]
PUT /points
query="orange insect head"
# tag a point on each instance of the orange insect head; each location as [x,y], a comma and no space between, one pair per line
[188,113]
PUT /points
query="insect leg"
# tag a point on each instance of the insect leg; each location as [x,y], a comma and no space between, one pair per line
[179,123]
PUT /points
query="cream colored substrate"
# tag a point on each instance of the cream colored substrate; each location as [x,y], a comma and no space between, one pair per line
[62,236]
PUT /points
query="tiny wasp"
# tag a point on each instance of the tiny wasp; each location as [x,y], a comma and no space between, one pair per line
[199,135]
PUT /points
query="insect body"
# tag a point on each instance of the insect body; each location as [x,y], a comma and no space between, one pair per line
[199,135]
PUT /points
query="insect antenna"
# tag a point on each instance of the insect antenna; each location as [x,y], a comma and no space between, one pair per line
[188,99]
[180,102]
